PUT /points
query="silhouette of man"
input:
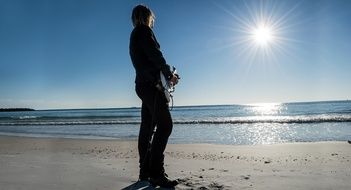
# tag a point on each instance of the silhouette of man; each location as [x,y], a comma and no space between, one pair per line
[148,61]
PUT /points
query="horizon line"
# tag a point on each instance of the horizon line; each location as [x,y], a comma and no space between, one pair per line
[179,106]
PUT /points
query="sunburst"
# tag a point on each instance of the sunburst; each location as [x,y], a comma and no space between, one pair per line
[260,30]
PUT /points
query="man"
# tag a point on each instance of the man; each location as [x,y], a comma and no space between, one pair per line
[148,61]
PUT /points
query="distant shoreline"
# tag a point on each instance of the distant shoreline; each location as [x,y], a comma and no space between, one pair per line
[15,109]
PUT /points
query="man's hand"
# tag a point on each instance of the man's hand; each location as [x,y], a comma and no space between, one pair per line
[174,79]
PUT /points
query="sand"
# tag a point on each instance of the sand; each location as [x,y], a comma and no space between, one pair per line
[48,163]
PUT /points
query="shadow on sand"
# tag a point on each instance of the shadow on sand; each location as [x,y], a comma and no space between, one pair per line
[144,185]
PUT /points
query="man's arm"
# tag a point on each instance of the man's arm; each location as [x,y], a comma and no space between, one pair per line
[153,52]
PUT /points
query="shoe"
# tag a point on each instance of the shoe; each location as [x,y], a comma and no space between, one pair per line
[163,181]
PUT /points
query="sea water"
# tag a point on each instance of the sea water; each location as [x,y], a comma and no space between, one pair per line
[219,124]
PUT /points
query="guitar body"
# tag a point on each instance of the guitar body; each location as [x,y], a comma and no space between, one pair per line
[167,87]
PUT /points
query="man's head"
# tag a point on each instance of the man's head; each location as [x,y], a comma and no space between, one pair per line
[142,15]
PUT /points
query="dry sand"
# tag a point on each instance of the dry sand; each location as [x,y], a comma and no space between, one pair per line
[44,163]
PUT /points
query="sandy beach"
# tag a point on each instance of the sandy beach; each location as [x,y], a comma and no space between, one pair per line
[51,163]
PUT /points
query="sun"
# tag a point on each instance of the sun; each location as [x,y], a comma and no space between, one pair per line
[262,35]
[259,31]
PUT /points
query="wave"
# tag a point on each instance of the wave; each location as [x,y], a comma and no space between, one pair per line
[27,117]
[282,120]
[31,117]
[69,123]
[231,120]
[68,135]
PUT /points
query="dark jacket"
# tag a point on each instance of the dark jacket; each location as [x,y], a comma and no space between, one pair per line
[146,56]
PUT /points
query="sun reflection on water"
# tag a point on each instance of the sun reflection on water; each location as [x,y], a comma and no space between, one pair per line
[265,133]
[266,108]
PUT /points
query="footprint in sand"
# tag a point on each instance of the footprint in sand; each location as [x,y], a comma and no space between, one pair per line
[215,185]
[247,177]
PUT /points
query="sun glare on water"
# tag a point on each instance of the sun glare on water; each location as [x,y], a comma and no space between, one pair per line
[266,108]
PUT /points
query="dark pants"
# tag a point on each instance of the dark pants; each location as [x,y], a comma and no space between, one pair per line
[154,112]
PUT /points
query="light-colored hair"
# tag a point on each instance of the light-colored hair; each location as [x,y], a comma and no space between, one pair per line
[142,15]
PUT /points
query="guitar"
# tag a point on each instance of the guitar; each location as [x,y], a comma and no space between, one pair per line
[167,86]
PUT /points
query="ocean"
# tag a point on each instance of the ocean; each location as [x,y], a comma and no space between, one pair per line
[216,124]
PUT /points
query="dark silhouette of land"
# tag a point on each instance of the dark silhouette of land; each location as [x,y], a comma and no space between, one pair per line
[15,109]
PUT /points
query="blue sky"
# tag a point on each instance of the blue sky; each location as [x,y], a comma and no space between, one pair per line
[74,53]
